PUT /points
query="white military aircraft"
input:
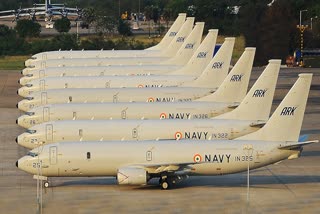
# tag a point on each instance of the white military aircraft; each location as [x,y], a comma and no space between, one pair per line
[171,55]
[47,9]
[251,114]
[135,163]
[153,51]
[240,72]
[199,66]
[196,64]
[225,99]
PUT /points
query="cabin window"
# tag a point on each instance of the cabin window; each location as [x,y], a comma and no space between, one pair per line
[88,155]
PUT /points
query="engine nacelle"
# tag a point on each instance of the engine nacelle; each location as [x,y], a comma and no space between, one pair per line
[132,176]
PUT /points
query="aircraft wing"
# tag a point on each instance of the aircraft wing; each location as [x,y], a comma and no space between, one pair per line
[168,167]
[7,11]
[12,16]
[293,145]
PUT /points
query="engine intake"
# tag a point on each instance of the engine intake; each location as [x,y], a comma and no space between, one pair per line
[132,176]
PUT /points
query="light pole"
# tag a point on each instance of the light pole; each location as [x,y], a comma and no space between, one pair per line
[301,15]
[311,21]
[248,150]
[301,29]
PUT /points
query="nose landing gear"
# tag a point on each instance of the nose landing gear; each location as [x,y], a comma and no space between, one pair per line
[46,184]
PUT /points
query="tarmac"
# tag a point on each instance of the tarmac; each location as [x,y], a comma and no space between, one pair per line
[292,186]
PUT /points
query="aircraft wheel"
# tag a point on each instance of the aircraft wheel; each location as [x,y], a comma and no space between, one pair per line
[165,185]
[46,184]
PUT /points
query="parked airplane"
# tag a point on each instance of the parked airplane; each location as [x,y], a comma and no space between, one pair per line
[166,94]
[203,108]
[48,10]
[196,64]
[251,114]
[135,163]
[199,66]
[156,50]
[170,55]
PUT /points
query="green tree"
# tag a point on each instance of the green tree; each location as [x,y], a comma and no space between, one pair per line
[62,25]
[88,16]
[28,28]
[275,31]
[10,43]
[124,28]
[64,41]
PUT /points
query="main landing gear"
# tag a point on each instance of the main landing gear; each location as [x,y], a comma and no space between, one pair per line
[166,182]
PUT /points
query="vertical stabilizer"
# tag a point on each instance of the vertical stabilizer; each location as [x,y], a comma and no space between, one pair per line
[234,86]
[172,32]
[190,44]
[217,70]
[179,39]
[285,123]
[201,57]
[257,103]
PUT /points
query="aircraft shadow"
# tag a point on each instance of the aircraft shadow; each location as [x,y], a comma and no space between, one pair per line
[238,180]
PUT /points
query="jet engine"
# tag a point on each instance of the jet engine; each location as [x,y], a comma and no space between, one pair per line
[132,176]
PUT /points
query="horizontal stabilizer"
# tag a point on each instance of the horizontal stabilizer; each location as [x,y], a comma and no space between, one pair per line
[293,145]
[258,124]
[234,105]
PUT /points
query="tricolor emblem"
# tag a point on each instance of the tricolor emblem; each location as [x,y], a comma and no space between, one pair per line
[163,116]
[150,100]
[197,158]
[178,135]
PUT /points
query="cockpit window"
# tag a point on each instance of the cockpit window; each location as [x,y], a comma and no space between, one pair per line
[31,131]
[32,154]
[28,85]
[29,113]
[29,98]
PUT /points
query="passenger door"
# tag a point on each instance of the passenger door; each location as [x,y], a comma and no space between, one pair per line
[46,114]
[44,98]
[49,133]
[53,155]
[42,85]
[41,73]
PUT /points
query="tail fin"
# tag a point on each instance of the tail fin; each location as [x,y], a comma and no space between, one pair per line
[257,103]
[285,123]
[234,86]
[189,46]
[217,70]
[201,57]
[175,27]
[178,40]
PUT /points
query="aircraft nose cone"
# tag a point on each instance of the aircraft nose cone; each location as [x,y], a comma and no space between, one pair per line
[17,164]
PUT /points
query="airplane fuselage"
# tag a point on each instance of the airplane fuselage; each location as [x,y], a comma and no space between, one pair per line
[166,94]
[98,130]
